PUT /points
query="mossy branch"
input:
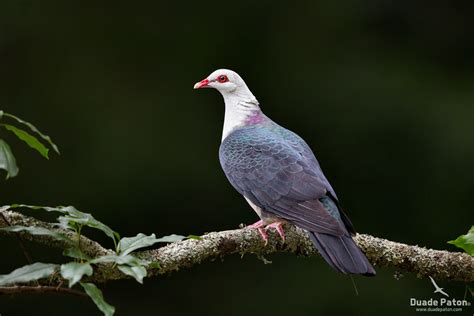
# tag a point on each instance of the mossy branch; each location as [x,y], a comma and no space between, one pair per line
[439,264]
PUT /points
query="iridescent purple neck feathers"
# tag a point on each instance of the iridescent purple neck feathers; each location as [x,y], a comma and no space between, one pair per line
[255,117]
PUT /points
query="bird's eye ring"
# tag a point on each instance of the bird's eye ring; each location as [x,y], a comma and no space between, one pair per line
[222,78]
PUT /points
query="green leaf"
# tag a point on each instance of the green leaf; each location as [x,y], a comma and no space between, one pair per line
[96,295]
[90,221]
[129,244]
[465,242]
[33,207]
[74,271]
[28,273]
[34,130]
[7,160]
[76,253]
[122,259]
[195,237]
[29,139]
[138,272]
[71,216]
[171,238]
[61,209]
[86,219]
[34,230]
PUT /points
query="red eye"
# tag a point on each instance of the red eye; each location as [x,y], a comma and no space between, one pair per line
[222,78]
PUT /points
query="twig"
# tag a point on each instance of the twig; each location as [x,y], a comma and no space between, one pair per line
[20,242]
[88,246]
[10,290]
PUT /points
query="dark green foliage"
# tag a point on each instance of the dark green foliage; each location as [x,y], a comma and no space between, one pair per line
[7,160]
[28,273]
[83,265]
[465,242]
[96,295]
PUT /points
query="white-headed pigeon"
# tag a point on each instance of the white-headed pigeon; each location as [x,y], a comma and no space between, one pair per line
[279,176]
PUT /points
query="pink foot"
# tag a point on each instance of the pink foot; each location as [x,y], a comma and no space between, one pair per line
[260,225]
[256,224]
[261,229]
[279,228]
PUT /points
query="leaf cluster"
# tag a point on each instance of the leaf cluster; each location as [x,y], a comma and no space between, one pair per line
[82,264]
[30,137]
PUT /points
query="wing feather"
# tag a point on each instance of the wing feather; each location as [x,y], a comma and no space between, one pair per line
[281,177]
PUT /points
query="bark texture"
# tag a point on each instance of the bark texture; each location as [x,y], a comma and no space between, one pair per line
[439,264]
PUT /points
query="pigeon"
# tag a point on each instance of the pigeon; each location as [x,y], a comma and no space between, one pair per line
[278,175]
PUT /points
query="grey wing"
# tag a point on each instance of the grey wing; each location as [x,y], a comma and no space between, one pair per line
[277,177]
[298,144]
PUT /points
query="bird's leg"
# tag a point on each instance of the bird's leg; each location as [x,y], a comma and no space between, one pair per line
[260,225]
[279,228]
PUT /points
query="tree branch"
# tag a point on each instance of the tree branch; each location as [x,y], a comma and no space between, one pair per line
[89,247]
[439,264]
[10,290]
[20,242]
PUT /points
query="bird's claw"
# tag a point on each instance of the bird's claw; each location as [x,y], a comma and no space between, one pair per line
[260,226]
[262,229]
[263,234]
[279,228]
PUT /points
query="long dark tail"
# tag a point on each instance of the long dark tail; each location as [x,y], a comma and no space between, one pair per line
[342,253]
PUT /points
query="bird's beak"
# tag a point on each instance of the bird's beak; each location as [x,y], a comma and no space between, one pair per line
[202,84]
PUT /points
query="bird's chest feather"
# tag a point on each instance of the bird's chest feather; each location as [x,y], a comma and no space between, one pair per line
[246,149]
[252,157]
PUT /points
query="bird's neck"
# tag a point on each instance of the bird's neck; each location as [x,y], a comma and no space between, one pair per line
[241,109]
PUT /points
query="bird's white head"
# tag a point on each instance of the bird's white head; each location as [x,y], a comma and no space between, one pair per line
[223,80]
[241,107]
[229,84]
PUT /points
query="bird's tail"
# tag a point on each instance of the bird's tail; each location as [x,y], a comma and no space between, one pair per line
[342,253]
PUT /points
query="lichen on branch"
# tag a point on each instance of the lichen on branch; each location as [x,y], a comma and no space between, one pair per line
[439,264]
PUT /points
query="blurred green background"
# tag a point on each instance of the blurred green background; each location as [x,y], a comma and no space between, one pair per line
[383,91]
